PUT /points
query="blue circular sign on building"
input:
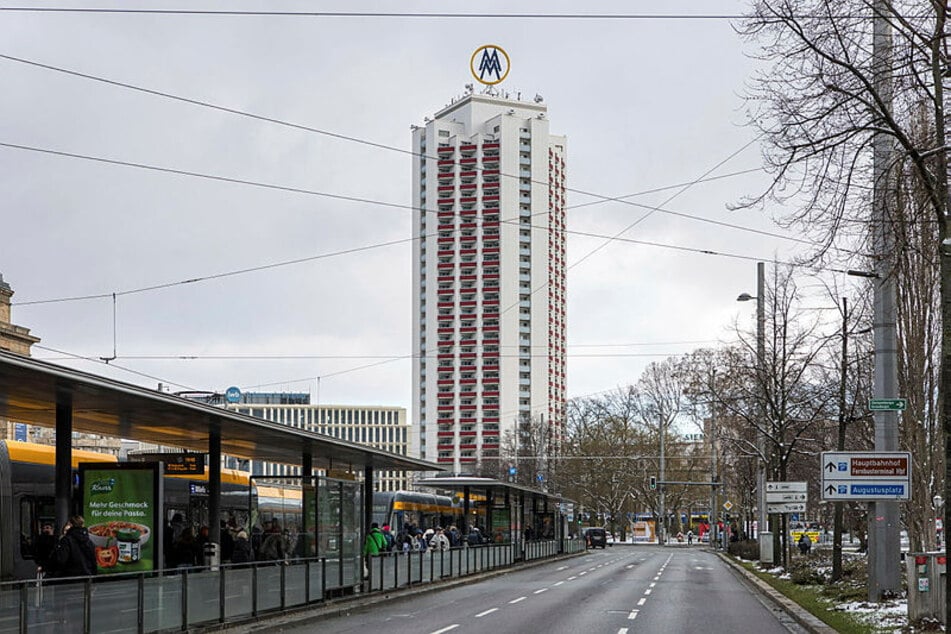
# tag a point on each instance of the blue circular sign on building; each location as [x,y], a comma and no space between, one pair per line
[233,395]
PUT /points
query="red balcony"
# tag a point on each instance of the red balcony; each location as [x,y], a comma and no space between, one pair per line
[469,147]
[445,201]
[445,408]
[494,145]
[445,434]
[490,419]
[470,174]
[490,172]
[446,240]
[490,394]
[467,251]
[445,265]
[466,187]
[488,197]
[446,188]
[445,163]
[491,249]
[441,459]
[445,381]
[468,199]
[467,161]
[467,381]
[467,329]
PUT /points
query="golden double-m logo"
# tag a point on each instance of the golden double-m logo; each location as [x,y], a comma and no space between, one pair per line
[489,64]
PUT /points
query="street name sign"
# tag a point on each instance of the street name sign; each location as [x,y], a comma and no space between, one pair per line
[785,496]
[882,475]
[785,507]
[781,487]
[887,404]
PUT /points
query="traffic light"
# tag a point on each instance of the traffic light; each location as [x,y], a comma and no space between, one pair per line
[653,482]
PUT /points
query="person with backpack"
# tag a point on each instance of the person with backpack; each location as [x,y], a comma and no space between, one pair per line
[388,536]
[74,555]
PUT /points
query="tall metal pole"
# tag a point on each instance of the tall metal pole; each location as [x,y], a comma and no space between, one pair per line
[883,547]
[662,530]
[714,532]
[765,537]
[840,443]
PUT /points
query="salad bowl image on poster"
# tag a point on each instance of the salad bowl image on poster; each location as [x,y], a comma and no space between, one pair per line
[121,505]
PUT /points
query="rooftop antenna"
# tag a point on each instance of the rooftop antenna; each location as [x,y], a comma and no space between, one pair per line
[539,98]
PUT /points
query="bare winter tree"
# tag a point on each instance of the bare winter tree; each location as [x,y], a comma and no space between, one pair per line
[844,81]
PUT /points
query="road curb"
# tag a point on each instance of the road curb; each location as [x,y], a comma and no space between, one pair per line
[802,616]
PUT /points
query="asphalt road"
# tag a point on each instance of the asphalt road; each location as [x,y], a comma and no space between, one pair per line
[619,590]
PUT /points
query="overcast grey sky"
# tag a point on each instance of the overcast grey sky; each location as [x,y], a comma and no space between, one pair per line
[645,104]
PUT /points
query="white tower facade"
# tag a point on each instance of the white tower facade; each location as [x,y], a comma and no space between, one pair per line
[489,280]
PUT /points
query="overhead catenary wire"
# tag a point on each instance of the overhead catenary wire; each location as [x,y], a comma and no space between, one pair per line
[353,139]
[299,190]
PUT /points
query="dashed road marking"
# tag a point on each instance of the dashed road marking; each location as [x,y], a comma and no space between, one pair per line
[572,578]
[623,630]
[632,615]
[653,583]
[489,611]
[647,592]
[558,583]
[642,601]
[518,599]
[446,629]
[540,591]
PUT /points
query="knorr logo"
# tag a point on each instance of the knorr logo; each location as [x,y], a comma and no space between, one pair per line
[106,485]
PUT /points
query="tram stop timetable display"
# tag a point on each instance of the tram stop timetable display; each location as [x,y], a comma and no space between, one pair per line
[122,509]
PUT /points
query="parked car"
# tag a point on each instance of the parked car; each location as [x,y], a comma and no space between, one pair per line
[595,537]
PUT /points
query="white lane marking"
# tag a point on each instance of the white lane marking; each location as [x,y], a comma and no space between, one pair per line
[558,583]
[518,599]
[653,584]
[632,615]
[489,611]
[572,578]
[446,629]
[642,601]
[647,592]
[657,578]
[583,573]
[629,566]
[540,591]
[623,630]
[563,568]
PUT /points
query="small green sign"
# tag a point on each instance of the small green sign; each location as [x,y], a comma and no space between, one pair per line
[887,404]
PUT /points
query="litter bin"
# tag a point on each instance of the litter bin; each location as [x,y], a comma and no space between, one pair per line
[926,572]
[212,555]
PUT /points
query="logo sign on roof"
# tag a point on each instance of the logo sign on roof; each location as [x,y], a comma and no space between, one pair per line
[233,395]
[489,64]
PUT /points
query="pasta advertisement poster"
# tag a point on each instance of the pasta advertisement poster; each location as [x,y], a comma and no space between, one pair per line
[121,506]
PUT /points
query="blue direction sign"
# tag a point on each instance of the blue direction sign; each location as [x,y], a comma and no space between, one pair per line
[884,475]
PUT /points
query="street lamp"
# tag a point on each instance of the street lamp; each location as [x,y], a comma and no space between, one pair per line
[764,536]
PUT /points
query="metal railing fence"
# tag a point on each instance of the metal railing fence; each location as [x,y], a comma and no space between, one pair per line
[183,598]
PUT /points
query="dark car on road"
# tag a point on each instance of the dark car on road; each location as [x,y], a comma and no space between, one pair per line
[596,537]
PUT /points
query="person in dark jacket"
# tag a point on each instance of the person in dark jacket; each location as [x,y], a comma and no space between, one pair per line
[242,554]
[43,548]
[74,555]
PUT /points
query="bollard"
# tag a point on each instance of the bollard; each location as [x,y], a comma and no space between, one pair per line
[212,555]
